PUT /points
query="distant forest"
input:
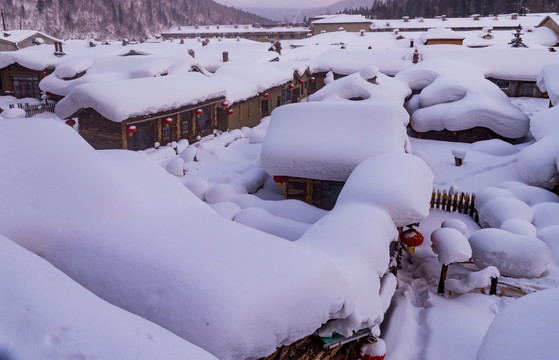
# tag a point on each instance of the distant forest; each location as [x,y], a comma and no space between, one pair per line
[394,9]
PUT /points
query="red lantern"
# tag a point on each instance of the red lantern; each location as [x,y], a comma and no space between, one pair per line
[411,238]
[199,112]
[313,79]
[71,122]
[291,86]
[266,95]
[48,94]
[168,121]
[224,105]
[419,135]
[301,81]
[230,112]
[130,130]
[44,74]
[280,179]
[372,349]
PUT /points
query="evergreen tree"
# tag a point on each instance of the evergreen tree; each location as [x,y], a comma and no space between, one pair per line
[40,6]
[517,42]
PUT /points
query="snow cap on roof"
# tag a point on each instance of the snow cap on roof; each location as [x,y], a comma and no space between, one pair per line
[121,100]
[350,133]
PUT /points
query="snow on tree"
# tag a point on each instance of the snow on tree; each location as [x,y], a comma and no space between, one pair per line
[517,42]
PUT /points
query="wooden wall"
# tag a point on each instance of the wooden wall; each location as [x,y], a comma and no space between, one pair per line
[320,193]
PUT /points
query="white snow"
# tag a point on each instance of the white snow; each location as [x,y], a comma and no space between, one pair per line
[474,280]
[290,149]
[524,329]
[47,315]
[513,255]
[450,245]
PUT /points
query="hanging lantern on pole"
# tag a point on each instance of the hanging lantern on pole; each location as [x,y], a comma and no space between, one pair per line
[168,121]
[71,122]
[280,180]
[230,112]
[131,130]
[44,74]
[313,79]
[199,112]
[411,238]
[291,86]
[224,105]
[301,81]
[266,96]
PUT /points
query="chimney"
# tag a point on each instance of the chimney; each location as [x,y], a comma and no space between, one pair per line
[443,17]
[406,18]
[236,26]
[225,56]
[191,53]
[3,21]
[58,48]
[415,58]
[362,32]
[513,16]
[476,17]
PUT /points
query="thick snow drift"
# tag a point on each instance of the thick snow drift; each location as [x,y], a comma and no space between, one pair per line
[140,240]
[46,315]
[525,329]
[457,97]
[350,133]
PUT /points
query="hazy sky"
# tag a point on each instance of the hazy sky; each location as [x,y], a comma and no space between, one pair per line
[278,3]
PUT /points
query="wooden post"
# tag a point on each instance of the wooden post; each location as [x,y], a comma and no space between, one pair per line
[493,289]
[123,136]
[178,127]
[444,269]
[308,197]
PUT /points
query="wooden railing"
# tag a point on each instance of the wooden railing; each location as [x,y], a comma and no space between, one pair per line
[31,110]
[463,203]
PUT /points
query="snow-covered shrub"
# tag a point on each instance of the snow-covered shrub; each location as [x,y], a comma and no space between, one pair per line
[496,211]
[176,166]
[450,245]
[514,255]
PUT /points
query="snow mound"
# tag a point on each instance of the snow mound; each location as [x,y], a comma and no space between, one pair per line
[455,224]
[450,245]
[546,214]
[514,255]
[496,147]
[519,226]
[47,315]
[228,210]
[534,317]
[262,220]
[496,211]
[385,181]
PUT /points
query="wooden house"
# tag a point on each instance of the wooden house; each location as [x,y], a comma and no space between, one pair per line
[18,39]
[314,168]
[518,88]
[351,23]
[552,22]
[21,82]
[135,114]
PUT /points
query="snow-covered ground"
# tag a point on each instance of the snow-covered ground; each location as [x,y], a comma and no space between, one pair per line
[155,254]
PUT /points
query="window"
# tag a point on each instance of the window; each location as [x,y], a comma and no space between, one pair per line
[502,84]
[184,127]
[278,101]
[26,86]
[285,95]
[166,133]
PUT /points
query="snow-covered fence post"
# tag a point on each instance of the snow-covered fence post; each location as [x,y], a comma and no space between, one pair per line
[493,289]
[459,156]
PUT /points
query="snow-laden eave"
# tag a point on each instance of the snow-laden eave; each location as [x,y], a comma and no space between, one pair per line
[122,100]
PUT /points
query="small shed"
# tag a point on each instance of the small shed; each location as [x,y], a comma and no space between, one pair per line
[551,22]
[351,23]
[313,147]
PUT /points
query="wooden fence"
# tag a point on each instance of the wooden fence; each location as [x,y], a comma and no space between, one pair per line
[462,203]
[34,109]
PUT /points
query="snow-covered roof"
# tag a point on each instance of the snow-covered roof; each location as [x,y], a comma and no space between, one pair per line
[440,33]
[121,100]
[351,60]
[548,81]
[358,129]
[242,82]
[385,89]
[342,19]
[503,20]
[16,36]
[456,96]
[78,70]
[223,30]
